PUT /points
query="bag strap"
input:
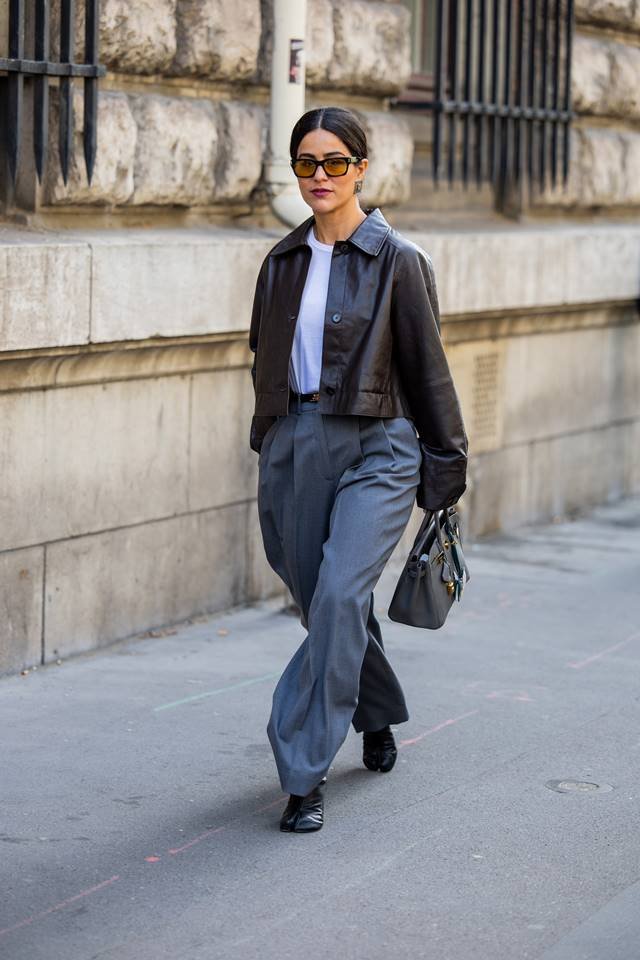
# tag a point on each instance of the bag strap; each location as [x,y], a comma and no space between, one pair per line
[423,532]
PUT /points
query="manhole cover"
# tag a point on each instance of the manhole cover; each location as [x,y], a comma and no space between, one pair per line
[578,786]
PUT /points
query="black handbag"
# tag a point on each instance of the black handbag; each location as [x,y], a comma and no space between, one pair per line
[434,574]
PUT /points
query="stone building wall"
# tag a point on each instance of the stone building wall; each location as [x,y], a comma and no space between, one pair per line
[605,139]
[127,489]
[183,111]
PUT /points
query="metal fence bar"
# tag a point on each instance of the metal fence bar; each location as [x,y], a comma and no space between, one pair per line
[41,88]
[556,90]
[518,132]
[505,122]
[468,53]
[493,131]
[479,117]
[544,91]
[16,67]
[437,105]
[531,87]
[65,90]
[521,51]
[15,86]
[90,132]
[454,40]
[567,90]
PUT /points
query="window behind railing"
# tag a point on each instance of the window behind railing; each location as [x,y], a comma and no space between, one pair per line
[28,68]
[496,75]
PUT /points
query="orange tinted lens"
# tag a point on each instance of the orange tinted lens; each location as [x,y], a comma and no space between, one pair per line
[336,167]
[304,168]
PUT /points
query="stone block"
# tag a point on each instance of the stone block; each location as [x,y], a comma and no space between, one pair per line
[631,474]
[498,491]
[137,37]
[609,165]
[176,150]
[134,38]
[478,371]
[173,283]
[621,14]
[318,42]
[112,180]
[21,573]
[243,140]
[604,77]
[590,73]
[388,176]
[218,39]
[604,170]
[572,472]
[92,457]
[498,269]
[573,380]
[222,466]
[371,49]
[104,587]
[45,283]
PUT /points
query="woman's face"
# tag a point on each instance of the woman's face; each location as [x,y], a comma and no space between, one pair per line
[321,192]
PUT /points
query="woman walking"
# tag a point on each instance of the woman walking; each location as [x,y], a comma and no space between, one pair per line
[356,417]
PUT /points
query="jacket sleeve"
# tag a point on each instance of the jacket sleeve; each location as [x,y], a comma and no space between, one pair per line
[427,383]
[259,424]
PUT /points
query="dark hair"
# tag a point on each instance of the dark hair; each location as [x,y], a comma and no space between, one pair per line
[345,124]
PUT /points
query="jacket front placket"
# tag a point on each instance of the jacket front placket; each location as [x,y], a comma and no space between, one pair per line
[332,343]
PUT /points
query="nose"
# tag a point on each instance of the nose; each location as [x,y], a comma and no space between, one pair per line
[319,175]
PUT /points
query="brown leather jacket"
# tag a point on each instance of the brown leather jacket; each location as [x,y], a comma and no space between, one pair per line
[382,355]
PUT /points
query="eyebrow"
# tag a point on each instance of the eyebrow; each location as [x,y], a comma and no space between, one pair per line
[329,154]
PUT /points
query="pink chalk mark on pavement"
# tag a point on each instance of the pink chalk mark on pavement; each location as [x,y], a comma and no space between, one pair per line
[203,836]
[59,906]
[518,695]
[439,726]
[579,664]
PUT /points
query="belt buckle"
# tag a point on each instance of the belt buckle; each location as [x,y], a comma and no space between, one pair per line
[315,396]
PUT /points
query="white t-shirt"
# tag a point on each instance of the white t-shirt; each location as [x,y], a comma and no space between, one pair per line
[306,354]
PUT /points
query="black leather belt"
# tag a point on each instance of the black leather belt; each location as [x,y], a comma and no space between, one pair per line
[303,397]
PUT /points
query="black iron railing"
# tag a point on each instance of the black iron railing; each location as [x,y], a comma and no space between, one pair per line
[19,68]
[502,78]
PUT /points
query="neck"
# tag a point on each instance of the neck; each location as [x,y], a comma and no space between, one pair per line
[338,224]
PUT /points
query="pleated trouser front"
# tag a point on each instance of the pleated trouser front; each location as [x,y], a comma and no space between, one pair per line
[335,493]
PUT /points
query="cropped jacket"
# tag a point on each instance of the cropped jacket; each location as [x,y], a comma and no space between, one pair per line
[382,354]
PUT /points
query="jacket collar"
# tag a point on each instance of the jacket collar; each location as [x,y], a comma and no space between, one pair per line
[368,235]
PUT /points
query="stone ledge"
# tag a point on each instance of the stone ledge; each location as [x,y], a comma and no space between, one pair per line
[126,285]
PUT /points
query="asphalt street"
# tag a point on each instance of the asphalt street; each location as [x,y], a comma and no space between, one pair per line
[140,804]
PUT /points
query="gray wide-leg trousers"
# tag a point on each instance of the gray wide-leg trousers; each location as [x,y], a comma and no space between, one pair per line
[335,493]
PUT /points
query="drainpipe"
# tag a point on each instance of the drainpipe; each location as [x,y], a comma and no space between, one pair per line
[287,104]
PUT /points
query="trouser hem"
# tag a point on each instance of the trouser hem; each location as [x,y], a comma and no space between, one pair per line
[378,721]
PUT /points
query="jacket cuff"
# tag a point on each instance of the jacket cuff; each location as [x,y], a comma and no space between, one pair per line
[442,477]
[259,427]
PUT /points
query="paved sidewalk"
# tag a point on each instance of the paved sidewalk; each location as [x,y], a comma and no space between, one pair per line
[139,798]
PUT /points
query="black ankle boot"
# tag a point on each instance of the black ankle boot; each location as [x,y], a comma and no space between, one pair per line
[379,750]
[304,814]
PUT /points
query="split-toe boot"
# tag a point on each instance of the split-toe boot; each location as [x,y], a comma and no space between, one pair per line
[379,750]
[304,814]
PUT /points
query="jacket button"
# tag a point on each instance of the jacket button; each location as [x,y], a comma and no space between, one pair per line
[282,388]
[291,317]
[335,317]
[345,247]
[330,391]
